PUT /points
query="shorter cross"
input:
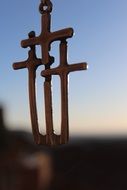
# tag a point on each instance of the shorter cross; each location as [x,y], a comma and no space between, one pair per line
[32,64]
[63,70]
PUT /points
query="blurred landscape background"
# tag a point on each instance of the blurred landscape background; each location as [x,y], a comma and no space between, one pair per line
[93,163]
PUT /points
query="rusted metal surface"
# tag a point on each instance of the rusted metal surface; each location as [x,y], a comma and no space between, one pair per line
[45,39]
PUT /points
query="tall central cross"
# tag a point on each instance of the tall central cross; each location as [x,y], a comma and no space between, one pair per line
[45,39]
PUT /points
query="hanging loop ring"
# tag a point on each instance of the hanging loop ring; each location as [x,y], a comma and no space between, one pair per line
[45,6]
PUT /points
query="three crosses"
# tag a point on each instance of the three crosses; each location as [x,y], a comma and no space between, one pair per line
[32,63]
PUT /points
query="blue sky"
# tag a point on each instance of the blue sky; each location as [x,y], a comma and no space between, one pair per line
[97,97]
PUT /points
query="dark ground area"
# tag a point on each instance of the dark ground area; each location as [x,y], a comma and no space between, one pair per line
[92,164]
[83,164]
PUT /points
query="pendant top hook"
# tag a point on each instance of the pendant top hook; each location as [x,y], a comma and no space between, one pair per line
[45,6]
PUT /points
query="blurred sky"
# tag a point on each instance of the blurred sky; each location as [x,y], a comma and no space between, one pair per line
[98,96]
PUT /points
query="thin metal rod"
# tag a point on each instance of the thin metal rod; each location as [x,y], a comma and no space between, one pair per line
[33,107]
[48,111]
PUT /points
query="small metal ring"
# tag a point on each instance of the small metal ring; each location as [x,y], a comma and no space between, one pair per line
[45,6]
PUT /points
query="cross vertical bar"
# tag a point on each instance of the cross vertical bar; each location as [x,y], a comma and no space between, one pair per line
[48,111]
[64,109]
[32,103]
[64,94]
[45,31]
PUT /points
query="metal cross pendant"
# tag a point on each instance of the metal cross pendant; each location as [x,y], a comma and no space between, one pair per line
[44,40]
